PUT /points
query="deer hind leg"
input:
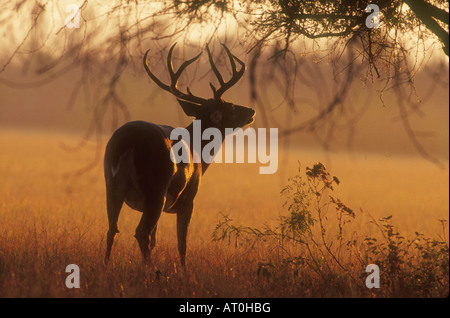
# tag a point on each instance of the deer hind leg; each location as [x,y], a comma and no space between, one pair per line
[114,202]
[147,226]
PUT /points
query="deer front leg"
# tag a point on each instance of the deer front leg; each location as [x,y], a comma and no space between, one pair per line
[153,238]
[183,219]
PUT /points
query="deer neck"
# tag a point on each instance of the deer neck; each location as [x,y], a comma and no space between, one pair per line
[196,137]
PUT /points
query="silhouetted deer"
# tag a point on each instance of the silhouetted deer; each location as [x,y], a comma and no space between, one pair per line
[138,166]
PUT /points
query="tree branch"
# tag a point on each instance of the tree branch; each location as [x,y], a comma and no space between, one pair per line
[425,12]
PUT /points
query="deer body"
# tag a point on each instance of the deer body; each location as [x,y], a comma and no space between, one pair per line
[139,170]
[131,165]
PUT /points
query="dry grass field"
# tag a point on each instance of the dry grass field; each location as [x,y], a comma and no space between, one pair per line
[50,218]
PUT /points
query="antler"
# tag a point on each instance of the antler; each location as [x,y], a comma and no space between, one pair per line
[224,86]
[174,77]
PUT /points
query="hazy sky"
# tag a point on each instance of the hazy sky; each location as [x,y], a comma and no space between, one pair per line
[38,103]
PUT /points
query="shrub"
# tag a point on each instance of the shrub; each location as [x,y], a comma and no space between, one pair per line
[316,243]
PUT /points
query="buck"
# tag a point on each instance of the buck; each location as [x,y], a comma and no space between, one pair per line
[138,166]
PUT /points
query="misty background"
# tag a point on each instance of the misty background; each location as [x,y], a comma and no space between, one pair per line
[326,94]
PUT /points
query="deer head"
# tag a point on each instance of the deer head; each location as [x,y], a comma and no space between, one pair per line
[213,112]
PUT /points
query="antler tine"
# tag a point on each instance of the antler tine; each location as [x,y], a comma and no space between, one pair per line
[170,64]
[174,77]
[153,77]
[215,70]
[233,64]
[224,86]
[186,64]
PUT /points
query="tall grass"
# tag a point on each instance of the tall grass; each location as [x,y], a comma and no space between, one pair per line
[50,218]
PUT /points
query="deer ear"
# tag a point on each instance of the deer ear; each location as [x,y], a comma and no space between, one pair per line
[190,109]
